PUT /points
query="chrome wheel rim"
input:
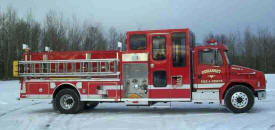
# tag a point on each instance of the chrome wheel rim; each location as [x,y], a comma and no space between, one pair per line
[239,100]
[67,101]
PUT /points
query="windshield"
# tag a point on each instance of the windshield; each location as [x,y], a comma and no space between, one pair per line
[226,57]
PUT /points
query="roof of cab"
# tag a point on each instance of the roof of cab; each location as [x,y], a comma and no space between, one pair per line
[159,31]
[218,46]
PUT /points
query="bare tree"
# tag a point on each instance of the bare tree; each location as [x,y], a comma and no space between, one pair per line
[93,38]
[54,32]
[75,37]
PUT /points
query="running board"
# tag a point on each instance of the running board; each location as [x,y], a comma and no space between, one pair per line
[160,106]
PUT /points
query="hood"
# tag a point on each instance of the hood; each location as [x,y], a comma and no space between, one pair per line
[243,70]
[240,72]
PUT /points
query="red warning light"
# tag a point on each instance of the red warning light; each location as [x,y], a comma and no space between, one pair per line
[212,41]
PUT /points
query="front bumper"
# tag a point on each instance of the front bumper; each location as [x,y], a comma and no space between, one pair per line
[261,94]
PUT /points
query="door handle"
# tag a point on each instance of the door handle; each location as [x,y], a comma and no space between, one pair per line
[152,65]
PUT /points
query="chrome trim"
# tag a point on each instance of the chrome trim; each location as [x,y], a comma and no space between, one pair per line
[46,71]
[211,85]
[69,74]
[71,85]
[252,73]
[239,100]
[67,61]
[73,80]
[206,96]
[64,101]
[38,96]
[155,99]
[185,86]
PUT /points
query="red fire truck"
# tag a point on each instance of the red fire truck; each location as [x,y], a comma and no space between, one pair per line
[158,66]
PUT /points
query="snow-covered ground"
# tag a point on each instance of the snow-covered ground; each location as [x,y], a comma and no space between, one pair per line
[37,115]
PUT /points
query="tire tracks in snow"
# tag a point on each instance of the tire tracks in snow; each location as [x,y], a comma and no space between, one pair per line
[16,109]
[48,124]
[271,127]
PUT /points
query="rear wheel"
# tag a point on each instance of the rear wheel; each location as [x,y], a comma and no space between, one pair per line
[68,102]
[239,99]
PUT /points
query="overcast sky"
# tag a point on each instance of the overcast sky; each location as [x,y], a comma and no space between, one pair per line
[201,16]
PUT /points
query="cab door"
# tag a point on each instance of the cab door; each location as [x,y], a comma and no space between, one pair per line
[159,66]
[210,72]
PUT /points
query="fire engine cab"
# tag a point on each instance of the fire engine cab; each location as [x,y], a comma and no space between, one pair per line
[158,66]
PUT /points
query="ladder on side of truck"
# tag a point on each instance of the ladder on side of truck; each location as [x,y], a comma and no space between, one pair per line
[68,68]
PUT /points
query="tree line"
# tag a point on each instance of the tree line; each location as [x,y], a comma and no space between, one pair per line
[54,32]
[253,49]
[248,48]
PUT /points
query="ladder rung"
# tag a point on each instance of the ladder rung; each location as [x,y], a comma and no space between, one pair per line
[53,68]
[68,74]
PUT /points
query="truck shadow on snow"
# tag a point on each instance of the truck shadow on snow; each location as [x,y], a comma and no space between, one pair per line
[144,110]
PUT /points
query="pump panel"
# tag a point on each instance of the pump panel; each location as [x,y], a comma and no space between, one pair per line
[135,80]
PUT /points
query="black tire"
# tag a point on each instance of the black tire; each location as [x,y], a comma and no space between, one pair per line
[90,105]
[69,98]
[239,99]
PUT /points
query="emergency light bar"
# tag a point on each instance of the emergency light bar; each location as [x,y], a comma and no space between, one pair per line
[25,47]
[212,42]
[47,49]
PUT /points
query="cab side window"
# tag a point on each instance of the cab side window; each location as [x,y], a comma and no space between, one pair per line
[210,57]
[159,48]
[179,49]
[159,78]
[138,42]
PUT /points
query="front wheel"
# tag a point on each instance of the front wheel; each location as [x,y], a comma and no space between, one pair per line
[239,99]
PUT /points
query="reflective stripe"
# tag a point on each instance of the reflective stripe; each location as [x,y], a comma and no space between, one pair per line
[141,99]
[214,85]
[40,96]
[108,100]
[79,85]
[155,99]
[185,86]
[93,97]
[113,87]
[23,90]
[52,85]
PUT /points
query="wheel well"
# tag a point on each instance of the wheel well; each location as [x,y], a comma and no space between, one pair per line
[238,83]
[65,86]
